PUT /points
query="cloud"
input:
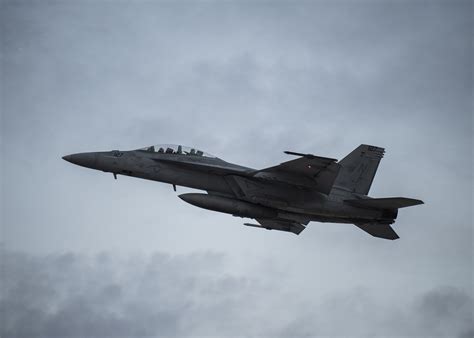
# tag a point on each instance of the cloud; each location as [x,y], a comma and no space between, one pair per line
[242,81]
[106,295]
[245,82]
[447,309]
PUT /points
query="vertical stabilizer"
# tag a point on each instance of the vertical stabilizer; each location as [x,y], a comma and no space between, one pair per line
[359,168]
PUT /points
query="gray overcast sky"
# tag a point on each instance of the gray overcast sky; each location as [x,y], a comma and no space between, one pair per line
[244,81]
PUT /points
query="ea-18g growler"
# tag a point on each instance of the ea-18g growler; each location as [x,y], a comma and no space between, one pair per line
[284,197]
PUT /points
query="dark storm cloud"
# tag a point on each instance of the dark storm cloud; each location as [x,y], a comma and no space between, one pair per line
[70,295]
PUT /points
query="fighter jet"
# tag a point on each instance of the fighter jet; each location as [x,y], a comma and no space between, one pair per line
[283,197]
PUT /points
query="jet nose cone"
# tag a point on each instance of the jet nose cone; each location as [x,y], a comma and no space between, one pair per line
[87,160]
[68,158]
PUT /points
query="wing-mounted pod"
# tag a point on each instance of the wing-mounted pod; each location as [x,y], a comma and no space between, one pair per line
[310,156]
[384,203]
[278,224]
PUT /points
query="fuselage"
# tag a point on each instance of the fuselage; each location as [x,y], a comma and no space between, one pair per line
[231,181]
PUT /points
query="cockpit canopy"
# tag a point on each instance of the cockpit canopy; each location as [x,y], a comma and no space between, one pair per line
[176,149]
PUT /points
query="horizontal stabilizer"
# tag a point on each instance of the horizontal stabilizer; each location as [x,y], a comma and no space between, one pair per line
[379,230]
[384,203]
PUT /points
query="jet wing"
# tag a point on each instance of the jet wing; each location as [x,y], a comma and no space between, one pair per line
[281,225]
[311,171]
